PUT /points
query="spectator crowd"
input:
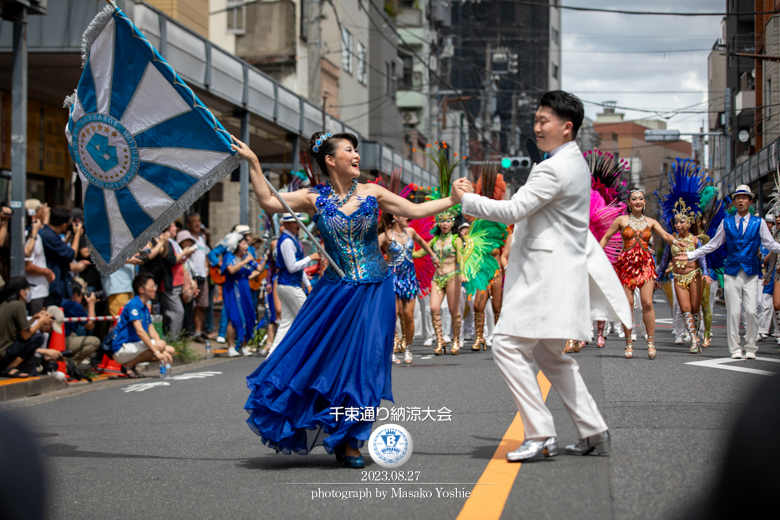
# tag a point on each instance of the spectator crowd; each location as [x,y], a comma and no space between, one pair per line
[178,273]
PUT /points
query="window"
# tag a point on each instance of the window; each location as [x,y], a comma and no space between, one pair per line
[768,99]
[555,35]
[362,65]
[407,83]
[236,16]
[346,51]
[555,71]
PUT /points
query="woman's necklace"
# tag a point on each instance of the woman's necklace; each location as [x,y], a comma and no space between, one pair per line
[338,202]
[637,224]
[404,235]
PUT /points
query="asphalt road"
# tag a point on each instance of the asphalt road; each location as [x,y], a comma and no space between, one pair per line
[183,450]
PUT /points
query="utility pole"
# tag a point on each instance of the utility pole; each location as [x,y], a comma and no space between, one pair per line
[18,141]
[487,120]
[727,113]
[324,112]
[514,137]
[314,46]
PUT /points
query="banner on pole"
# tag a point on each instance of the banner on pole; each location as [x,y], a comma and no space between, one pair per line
[144,145]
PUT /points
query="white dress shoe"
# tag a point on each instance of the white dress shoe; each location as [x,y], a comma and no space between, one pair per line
[245,351]
[534,449]
[737,355]
[220,339]
[428,342]
[447,338]
[687,337]
[633,336]
[678,341]
[233,352]
[750,355]
[621,334]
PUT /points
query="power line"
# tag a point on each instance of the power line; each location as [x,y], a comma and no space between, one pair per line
[643,13]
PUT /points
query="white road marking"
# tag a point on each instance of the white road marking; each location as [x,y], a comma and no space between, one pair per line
[141,387]
[194,375]
[723,363]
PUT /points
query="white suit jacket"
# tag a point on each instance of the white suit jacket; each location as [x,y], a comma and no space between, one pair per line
[558,279]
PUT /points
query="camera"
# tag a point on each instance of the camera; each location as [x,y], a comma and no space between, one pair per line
[99,295]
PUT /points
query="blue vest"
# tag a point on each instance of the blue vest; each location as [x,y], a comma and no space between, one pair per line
[742,248]
[285,277]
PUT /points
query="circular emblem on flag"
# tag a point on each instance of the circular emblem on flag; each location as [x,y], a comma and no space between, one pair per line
[106,152]
[390,445]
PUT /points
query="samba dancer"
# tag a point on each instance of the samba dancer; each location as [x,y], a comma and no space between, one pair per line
[398,240]
[337,352]
[635,265]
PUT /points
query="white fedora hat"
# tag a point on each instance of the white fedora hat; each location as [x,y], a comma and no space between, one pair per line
[744,189]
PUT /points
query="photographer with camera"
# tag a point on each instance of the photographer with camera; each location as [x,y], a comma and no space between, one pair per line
[76,339]
[60,255]
[35,267]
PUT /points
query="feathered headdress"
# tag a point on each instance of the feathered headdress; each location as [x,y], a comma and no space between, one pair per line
[714,211]
[686,181]
[491,184]
[605,175]
[445,175]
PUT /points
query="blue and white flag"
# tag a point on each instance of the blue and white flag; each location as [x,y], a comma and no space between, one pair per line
[144,145]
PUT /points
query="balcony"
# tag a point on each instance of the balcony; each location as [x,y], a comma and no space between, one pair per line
[744,100]
[409,18]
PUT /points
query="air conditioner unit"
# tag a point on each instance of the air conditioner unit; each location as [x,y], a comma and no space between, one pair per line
[410,117]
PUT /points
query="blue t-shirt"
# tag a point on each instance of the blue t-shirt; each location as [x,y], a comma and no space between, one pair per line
[125,332]
[73,310]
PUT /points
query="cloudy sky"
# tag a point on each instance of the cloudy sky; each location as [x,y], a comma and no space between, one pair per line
[612,57]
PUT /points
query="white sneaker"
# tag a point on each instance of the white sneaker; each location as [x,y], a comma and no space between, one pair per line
[447,338]
[233,352]
[678,341]
[737,355]
[687,337]
[245,351]
[489,341]
[220,339]
[633,336]
[429,342]
[750,355]
[621,334]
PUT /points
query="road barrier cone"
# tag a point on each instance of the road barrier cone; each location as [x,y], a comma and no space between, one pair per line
[57,342]
[108,365]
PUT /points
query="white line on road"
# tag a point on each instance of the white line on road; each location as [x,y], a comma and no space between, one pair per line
[722,363]
[194,375]
[141,387]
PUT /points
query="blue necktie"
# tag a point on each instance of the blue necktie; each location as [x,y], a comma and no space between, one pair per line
[741,227]
[544,157]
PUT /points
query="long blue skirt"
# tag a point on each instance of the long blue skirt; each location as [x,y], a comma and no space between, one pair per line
[336,354]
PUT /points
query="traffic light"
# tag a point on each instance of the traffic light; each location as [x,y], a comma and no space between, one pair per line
[515,162]
[513,66]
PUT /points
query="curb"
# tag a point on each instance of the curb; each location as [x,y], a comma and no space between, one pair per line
[36,386]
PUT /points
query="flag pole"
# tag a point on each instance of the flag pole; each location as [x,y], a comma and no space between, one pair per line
[303,226]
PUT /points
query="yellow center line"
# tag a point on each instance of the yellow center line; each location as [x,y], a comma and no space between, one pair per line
[487,502]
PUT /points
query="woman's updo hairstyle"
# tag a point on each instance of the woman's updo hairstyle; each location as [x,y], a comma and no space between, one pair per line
[328,147]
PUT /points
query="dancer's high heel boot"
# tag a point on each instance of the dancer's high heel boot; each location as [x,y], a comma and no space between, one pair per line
[441,347]
[398,344]
[690,324]
[455,349]
[479,329]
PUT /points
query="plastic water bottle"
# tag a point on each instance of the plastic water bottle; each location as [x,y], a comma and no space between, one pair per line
[163,371]
[208,349]
[168,370]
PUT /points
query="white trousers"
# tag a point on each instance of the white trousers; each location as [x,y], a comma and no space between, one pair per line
[467,314]
[767,310]
[292,299]
[739,291]
[678,322]
[515,356]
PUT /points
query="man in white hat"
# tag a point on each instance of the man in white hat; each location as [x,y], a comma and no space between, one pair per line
[743,235]
[291,278]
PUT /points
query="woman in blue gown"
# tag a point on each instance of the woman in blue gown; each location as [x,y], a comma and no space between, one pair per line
[337,352]
[239,267]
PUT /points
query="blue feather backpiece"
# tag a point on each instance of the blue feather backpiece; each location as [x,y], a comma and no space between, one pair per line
[686,181]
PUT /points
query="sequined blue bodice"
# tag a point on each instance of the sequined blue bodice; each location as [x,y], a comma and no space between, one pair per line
[351,240]
[399,253]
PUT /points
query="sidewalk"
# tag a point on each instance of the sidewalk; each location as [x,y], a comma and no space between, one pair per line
[11,389]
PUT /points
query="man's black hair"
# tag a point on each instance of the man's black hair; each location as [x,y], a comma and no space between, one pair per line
[140,280]
[59,216]
[77,289]
[567,106]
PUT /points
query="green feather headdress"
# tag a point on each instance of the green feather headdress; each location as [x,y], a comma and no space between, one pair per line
[445,176]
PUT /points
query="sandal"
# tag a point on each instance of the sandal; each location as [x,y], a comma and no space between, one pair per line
[629,351]
[132,373]
[14,373]
[572,346]
[651,347]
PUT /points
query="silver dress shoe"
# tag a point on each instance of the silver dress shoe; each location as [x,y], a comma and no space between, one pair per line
[534,449]
[598,443]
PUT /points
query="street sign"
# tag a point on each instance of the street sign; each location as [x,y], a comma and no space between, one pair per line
[654,136]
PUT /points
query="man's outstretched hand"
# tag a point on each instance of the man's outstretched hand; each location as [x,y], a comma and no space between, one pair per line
[459,188]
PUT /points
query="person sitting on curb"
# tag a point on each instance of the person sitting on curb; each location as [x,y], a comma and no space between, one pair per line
[136,339]
[21,339]
[76,339]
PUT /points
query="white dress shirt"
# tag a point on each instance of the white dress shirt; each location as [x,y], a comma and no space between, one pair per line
[288,255]
[559,148]
[720,238]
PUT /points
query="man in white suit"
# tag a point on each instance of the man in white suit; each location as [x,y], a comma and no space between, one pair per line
[558,280]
